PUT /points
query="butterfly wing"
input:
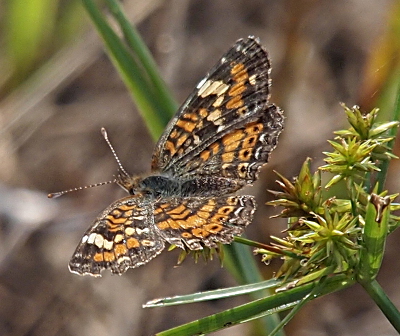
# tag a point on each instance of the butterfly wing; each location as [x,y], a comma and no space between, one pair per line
[241,153]
[226,124]
[195,222]
[123,236]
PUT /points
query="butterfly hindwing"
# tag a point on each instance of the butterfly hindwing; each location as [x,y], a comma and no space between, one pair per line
[241,153]
[196,222]
[123,236]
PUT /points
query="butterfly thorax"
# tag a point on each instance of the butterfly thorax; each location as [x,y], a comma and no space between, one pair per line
[169,186]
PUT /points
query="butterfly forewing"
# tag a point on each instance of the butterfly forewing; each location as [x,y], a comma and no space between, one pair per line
[234,92]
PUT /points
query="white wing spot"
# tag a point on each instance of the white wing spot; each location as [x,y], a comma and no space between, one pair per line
[219,121]
[220,128]
[218,101]
[108,245]
[252,79]
[129,231]
[140,231]
[212,87]
[203,88]
[98,240]
[122,259]
[196,139]
[258,152]
[138,217]
[118,238]
[91,238]
[213,116]
[201,83]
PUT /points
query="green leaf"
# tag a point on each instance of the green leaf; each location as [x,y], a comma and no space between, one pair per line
[374,237]
[132,73]
[145,59]
[256,309]
[212,295]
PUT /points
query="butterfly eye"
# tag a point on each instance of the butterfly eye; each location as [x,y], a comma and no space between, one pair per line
[139,188]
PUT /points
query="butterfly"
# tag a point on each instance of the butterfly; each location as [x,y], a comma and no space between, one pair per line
[215,145]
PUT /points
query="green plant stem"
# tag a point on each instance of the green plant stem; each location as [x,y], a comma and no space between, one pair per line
[380,298]
[385,164]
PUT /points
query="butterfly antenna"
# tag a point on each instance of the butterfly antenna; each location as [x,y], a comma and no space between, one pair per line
[121,168]
[105,136]
[60,193]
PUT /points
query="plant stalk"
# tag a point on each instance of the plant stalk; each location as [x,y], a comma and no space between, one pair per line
[387,307]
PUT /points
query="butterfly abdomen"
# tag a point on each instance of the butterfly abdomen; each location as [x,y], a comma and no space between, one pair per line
[207,186]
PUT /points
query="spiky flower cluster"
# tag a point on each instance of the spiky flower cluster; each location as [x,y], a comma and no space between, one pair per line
[325,233]
[359,149]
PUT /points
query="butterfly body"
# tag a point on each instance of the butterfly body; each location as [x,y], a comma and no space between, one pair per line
[164,186]
[215,145]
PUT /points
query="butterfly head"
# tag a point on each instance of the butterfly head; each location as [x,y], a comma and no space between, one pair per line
[129,183]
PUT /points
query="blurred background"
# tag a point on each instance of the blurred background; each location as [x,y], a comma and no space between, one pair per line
[58,88]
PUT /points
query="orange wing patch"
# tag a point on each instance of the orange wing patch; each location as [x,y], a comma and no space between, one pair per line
[186,125]
[239,75]
[235,102]
[239,72]
[208,221]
